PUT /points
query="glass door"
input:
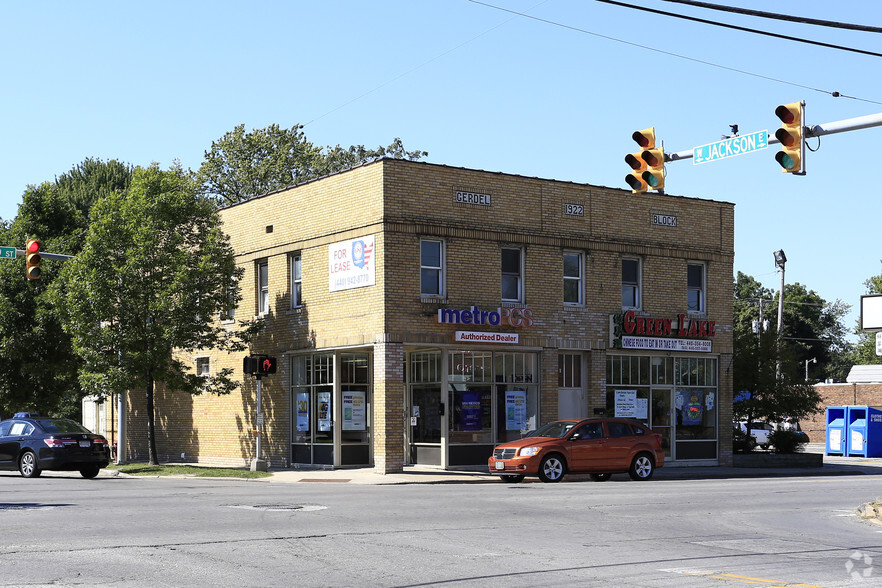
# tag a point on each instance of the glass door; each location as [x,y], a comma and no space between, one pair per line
[426,407]
[313,400]
[661,417]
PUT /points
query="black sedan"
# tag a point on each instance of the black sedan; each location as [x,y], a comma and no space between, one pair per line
[30,444]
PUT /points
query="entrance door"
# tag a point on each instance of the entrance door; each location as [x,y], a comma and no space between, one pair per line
[314,425]
[426,414]
[661,417]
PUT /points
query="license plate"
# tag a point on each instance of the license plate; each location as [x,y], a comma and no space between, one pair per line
[500,465]
[85,444]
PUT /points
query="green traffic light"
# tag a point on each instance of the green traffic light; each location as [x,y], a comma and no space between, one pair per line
[785,160]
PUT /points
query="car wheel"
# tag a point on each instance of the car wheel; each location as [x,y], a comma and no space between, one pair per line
[601,477]
[552,468]
[764,446]
[90,472]
[513,479]
[642,467]
[28,465]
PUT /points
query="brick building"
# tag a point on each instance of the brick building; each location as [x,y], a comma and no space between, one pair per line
[422,313]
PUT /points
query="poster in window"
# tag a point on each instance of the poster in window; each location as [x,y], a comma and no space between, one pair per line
[470,416]
[354,413]
[303,411]
[690,404]
[324,411]
[626,404]
[516,410]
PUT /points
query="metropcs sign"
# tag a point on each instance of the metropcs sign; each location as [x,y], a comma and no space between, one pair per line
[502,316]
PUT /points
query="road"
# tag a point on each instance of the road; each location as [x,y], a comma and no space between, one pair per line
[65,531]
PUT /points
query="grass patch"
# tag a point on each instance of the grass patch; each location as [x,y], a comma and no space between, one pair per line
[143,469]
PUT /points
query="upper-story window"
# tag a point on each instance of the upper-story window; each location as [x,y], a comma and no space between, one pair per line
[630,283]
[512,275]
[262,287]
[203,366]
[695,284]
[572,278]
[228,312]
[296,281]
[431,267]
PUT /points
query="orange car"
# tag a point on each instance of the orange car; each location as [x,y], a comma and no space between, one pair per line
[597,446]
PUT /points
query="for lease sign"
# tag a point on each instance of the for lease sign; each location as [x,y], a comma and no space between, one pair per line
[351,264]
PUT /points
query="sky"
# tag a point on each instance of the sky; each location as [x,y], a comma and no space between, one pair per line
[553,92]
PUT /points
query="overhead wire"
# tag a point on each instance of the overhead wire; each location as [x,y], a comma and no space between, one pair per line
[833,93]
[776,16]
[739,28]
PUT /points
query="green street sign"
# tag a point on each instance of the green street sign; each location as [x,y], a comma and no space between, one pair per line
[7,252]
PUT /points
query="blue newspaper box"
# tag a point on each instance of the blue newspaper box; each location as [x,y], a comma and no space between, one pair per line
[836,430]
[864,436]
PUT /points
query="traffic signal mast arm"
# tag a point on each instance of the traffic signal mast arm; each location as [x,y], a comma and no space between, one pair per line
[52,256]
[831,128]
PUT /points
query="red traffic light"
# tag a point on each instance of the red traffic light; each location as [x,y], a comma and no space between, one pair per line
[32,259]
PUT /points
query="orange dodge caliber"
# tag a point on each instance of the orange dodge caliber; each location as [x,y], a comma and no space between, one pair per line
[597,446]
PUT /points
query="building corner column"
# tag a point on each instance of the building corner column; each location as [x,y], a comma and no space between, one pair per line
[389,405]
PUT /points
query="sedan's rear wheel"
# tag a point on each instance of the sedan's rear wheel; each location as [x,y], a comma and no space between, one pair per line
[601,477]
[28,465]
[642,467]
[90,472]
[552,468]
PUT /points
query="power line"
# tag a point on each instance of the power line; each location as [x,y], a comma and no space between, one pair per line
[738,28]
[671,54]
[773,15]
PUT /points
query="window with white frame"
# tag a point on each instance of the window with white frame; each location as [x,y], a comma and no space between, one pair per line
[296,281]
[203,366]
[512,275]
[572,277]
[630,283]
[695,284]
[432,267]
[262,287]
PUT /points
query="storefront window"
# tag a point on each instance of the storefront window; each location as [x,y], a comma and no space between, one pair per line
[354,379]
[470,366]
[677,396]
[470,413]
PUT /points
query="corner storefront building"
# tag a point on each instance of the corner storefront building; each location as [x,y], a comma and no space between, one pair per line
[422,313]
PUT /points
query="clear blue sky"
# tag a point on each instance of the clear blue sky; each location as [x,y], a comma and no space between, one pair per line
[475,87]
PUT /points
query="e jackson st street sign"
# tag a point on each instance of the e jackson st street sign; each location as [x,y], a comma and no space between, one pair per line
[737,145]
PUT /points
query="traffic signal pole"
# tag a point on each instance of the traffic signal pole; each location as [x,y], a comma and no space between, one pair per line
[830,128]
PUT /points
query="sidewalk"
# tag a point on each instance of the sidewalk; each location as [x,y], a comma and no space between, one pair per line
[833,466]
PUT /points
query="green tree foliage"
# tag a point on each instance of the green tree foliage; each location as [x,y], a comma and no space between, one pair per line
[242,165]
[38,368]
[813,327]
[865,349]
[768,370]
[154,273]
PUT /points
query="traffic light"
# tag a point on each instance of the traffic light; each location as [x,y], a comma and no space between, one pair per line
[648,165]
[791,155]
[259,365]
[32,259]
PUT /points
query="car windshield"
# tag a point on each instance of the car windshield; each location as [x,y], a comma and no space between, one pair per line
[556,429]
[62,426]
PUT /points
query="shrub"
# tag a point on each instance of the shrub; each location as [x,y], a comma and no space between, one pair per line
[741,443]
[786,441]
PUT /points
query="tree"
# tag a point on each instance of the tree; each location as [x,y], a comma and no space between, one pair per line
[242,165]
[38,368]
[154,271]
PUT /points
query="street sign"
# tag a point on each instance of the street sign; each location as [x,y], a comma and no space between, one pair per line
[737,145]
[7,252]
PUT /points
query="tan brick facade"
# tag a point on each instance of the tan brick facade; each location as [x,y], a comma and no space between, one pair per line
[399,203]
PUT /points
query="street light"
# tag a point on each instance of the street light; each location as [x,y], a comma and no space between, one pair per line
[808,361]
[780,260]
